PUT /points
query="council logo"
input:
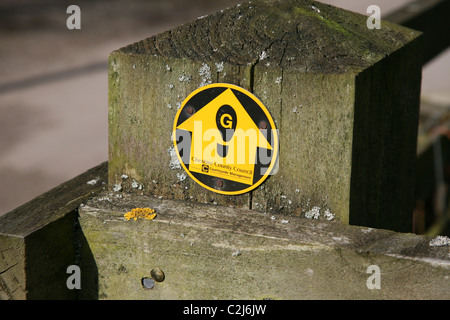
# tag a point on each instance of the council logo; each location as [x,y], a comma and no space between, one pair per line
[225,139]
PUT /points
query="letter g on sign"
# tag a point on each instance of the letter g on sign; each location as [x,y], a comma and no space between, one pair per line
[226,120]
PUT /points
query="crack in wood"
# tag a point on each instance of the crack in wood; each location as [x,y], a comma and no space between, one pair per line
[4,288]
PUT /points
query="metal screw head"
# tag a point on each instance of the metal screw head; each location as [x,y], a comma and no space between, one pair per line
[190,110]
[147,283]
[157,275]
[262,124]
[219,183]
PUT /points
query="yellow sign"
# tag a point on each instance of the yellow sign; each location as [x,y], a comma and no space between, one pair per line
[225,139]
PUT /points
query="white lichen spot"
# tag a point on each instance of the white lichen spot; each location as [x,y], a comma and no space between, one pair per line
[104,199]
[314,213]
[136,185]
[258,206]
[169,106]
[309,272]
[174,163]
[315,9]
[93,181]
[168,68]
[295,110]
[440,241]
[328,215]
[285,221]
[219,66]
[171,86]
[178,105]
[184,78]
[263,56]
[205,74]
[236,253]
[205,70]
[115,65]
[124,176]
[181,176]
[272,217]
[201,17]
[367,230]
[117,187]
[297,190]
[134,66]
[278,80]
[342,240]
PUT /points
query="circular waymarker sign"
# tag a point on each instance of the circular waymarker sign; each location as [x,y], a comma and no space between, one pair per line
[225,139]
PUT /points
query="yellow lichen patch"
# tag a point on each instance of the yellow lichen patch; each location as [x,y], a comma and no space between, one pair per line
[136,213]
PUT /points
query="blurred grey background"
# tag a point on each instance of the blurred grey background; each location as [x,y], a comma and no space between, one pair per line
[53,81]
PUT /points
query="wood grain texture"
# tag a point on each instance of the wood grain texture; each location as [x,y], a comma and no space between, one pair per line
[300,35]
[215,252]
[39,240]
[307,63]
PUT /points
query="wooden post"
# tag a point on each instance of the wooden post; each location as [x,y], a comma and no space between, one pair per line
[345,99]
[41,238]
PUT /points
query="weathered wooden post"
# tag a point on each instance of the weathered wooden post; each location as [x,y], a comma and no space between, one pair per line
[345,102]
[344,98]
